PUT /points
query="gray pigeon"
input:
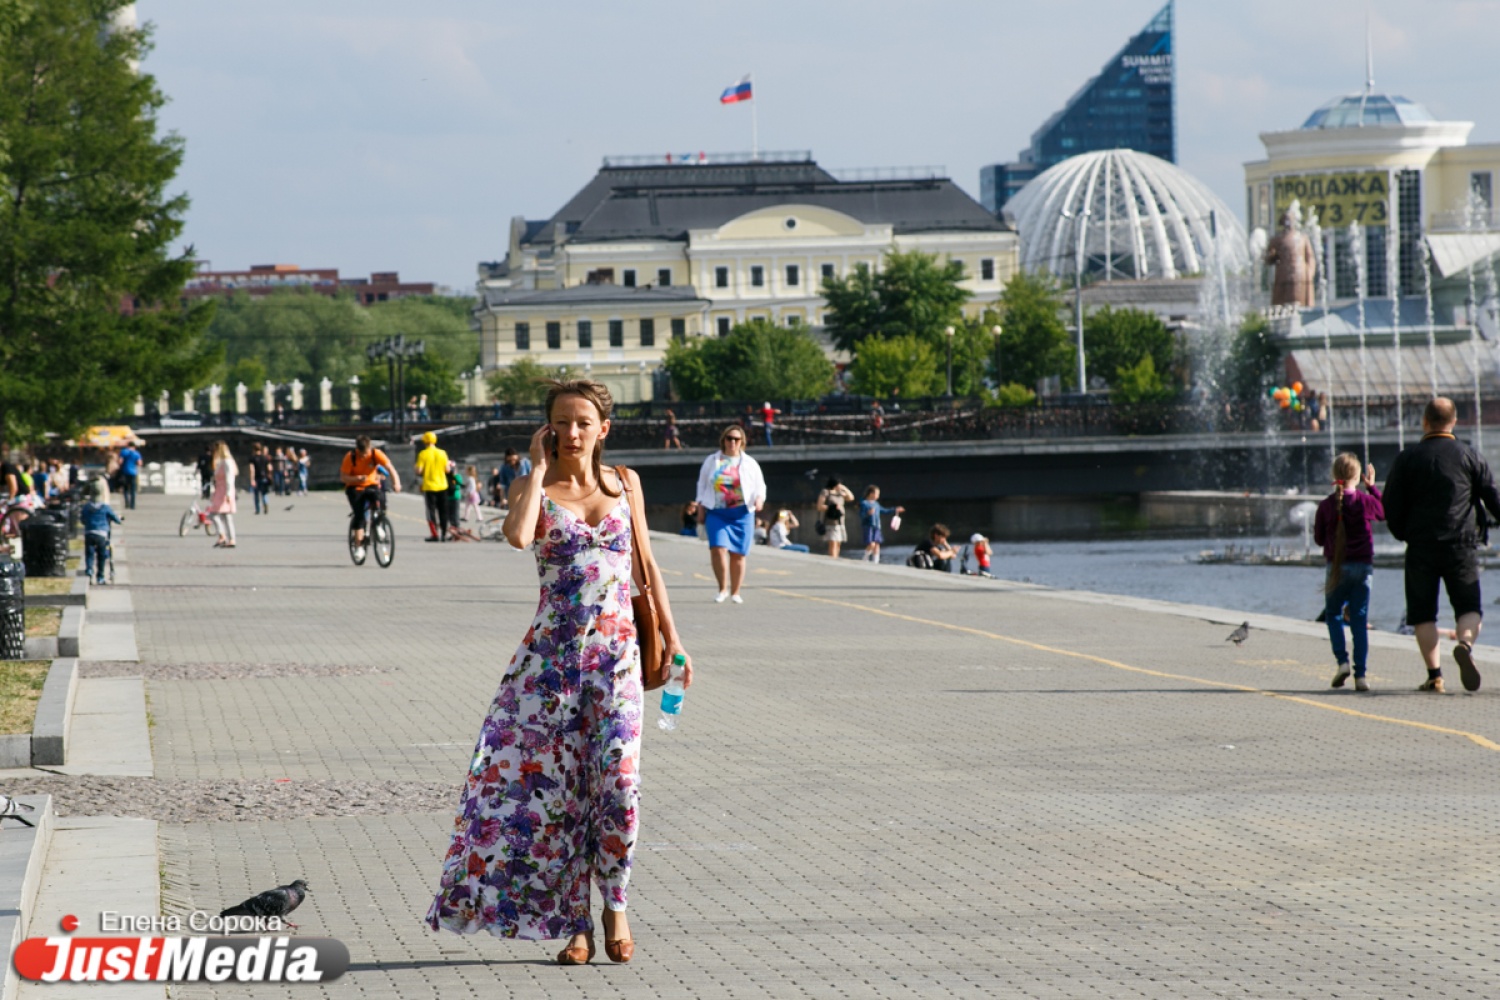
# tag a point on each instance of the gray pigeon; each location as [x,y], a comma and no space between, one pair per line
[277,902]
[12,808]
[1240,634]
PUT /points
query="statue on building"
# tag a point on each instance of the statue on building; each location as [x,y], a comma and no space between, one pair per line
[1296,264]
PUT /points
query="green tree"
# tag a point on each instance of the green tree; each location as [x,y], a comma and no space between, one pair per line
[853,307]
[758,360]
[519,384]
[303,335]
[1011,394]
[1251,363]
[90,291]
[1139,383]
[912,294]
[886,364]
[430,374]
[1034,342]
[1115,340]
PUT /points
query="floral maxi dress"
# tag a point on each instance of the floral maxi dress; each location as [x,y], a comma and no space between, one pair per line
[551,794]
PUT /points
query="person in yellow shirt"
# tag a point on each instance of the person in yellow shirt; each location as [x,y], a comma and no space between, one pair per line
[432,466]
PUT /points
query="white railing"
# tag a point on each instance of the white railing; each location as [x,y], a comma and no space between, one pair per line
[927,173]
[693,159]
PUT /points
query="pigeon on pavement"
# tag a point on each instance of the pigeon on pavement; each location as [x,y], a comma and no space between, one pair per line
[1240,634]
[277,902]
[12,808]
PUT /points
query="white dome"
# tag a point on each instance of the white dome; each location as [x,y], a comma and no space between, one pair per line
[1127,215]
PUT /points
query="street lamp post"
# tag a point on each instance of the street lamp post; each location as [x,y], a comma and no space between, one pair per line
[949,332]
[1083,384]
[995,331]
[396,351]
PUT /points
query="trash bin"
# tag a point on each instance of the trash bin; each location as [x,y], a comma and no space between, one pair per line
[44,544]
[71,506]
[12,609]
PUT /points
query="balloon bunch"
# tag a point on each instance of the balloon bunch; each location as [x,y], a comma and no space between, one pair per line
[1288,397]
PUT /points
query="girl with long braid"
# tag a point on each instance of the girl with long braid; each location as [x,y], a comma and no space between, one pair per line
[1342,527]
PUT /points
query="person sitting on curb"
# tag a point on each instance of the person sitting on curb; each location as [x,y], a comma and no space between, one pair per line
[779,535]
[934,552]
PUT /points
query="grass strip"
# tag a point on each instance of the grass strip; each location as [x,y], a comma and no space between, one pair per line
[20,686]
[43,621]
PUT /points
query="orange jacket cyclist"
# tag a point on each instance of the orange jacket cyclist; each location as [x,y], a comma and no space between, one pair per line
[360,474]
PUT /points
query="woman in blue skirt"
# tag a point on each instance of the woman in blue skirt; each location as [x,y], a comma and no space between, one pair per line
[731,490]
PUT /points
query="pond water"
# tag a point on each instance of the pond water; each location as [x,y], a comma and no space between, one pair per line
[1165,570]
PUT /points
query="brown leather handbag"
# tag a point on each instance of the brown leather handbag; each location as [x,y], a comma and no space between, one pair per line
[647,621]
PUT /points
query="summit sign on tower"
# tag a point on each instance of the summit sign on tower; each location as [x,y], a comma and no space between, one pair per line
[1129,105]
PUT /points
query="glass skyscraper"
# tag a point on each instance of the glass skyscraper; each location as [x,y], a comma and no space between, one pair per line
[1129,105]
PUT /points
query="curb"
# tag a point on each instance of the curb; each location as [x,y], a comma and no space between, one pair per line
[47,743]
[23,852]
[78,595]
[54,714]
[65,643]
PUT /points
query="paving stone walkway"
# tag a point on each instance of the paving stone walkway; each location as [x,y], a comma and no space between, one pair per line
[886,784]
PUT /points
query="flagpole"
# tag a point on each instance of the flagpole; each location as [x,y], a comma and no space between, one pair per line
[754,122]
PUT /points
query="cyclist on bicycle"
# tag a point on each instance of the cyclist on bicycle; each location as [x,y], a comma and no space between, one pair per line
[360,473]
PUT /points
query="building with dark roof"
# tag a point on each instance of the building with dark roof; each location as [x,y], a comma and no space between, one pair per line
[263,279]
[715,242]
[1129,105]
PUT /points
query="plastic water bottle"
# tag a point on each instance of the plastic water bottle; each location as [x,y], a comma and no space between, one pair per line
[672,693]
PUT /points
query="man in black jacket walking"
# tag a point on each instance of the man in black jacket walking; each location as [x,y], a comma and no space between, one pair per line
[1436,495]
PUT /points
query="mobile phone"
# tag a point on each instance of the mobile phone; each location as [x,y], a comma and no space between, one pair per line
[551,443]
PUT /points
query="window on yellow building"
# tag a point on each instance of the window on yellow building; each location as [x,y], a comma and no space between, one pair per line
[585,334]
[523,336]
[757,276]
[554,336]
[617,333]
[648,333]
[627,277]
[664,277]
[679,330]
[986,269]
[793,276]
[724,326]
[721,277]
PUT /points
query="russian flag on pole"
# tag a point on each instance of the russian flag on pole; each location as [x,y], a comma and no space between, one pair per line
[739,92]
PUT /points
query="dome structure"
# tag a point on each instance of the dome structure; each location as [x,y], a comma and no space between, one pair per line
[1123,215]
[1367,109]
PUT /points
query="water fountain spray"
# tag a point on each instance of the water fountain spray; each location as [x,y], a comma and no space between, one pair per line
[1393,285]
[1357,251]
[1315,230]
[1431,318]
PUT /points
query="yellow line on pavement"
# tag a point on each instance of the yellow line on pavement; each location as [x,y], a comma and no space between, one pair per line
[1482,741]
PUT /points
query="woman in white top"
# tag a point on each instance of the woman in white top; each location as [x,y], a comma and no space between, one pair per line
[731,490]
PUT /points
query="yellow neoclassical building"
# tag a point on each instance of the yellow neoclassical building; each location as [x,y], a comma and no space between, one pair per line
[649,251]
[1390,165]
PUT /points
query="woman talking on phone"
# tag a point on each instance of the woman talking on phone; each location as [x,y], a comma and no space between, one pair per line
[731,491]
[550,803]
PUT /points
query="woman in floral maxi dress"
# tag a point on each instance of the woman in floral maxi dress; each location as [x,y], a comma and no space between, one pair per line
[550,801]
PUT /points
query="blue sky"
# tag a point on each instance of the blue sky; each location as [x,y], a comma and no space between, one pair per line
[373,135]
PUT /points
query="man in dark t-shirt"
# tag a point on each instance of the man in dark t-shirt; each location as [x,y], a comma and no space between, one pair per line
[937,548]
[1436,496]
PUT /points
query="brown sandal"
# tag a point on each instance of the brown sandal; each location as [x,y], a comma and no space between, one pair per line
[575,955]
[620,950]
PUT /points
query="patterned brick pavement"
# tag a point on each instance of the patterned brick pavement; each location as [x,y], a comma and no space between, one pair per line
[887,784]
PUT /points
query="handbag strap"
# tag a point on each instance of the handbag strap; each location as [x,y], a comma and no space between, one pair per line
[637,563]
